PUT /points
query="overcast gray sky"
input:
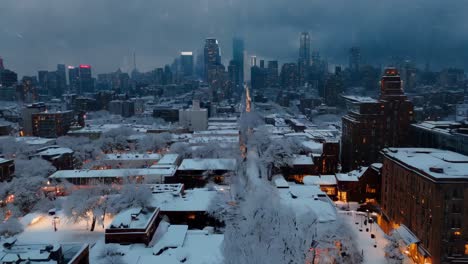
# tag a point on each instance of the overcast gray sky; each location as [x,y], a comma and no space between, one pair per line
[38,34]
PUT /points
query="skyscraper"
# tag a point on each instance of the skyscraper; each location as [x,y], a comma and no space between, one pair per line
[304,49]
[253,61]
[354,59]
[2,67]
[61,78]
[212,55]
[289,75]
[73,78]
[186,63]
[86,82]
[272,78]
[238,57]
[304,57]
[333,86]
[8,78]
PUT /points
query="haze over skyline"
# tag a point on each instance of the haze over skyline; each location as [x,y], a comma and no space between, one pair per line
[39,34]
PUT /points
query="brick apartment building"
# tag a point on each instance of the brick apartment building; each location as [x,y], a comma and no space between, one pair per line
[373,124]
[426,190]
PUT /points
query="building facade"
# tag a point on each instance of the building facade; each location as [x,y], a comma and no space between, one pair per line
[372,125]
[52,124]
[426,190]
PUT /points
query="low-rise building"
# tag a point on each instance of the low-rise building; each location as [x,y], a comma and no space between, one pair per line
[447,135]
[118,176]
[63,253]
[7,169]
[134,225]
[60,157]
[195,172]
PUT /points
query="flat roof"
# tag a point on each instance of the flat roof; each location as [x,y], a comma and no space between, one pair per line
[319,180]
[303,160]
[168,159]
[352,176]
[132,156]
[112,173]
[208,164]
[435,163]
[53,150]
[174,188]
[194,200]
[360,99]
[133,218]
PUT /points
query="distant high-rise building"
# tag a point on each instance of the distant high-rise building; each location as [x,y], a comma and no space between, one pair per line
[73,78]
[304,49]
[27,89]
[2,67]
[52,85]
[272,78]
[238,57]
[233,72]
[168,77]
[354,59]
[372,125]
[212,55]
[61,78]
[289,75]
[333,87]
[8,78]
[86,81]
[42,75]
[304,57]
[253,61]
[186,63]
[258,78]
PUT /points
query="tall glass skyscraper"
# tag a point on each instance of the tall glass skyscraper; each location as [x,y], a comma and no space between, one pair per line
[304,49]
[238,57]
[212,55]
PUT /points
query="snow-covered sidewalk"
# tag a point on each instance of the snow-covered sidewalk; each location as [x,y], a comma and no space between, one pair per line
[372,249]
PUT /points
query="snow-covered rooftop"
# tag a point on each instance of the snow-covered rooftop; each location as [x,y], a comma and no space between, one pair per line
[198,247]
[214,139]
[352,175]
[313,146]
[174,188]
[35,140]
[113,173]
[222,132]
[435,163]
[208,164]
[195,200]
[133,218]
[54,151]
[320,180]
[303,160]
[360,99]
[169,159]
[173,238]
[133,156]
